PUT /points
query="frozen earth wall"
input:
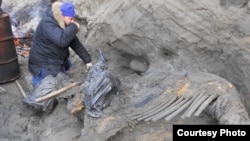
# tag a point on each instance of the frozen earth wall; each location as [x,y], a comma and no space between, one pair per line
[170,35]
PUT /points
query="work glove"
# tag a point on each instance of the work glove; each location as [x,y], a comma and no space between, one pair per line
[89,65]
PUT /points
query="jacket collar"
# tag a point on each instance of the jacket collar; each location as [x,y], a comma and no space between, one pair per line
[57,13]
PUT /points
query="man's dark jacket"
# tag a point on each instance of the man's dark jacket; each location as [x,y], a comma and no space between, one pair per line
[50,47]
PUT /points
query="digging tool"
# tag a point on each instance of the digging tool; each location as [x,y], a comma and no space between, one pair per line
[20,88]
[59,91]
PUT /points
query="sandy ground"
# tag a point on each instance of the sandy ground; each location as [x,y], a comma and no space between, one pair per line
[19,122]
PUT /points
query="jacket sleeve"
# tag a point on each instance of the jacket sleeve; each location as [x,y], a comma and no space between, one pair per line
[60,37]
[80,50]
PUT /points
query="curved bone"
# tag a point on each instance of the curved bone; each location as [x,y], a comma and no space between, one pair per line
[146,110]
[154,104]
[163,104]
[175,102]
[169,110]
[196,105]
[180,99]
[179,110]
[139,111]
[155,111]
[195,99]
[204,105]
[214,93]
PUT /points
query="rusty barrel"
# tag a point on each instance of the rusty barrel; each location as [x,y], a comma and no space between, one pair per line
[9,68]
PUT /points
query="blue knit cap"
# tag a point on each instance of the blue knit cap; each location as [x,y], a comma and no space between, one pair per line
[68,9]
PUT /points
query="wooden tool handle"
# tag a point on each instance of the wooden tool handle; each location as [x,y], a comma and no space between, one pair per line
[57,92]
[20,88]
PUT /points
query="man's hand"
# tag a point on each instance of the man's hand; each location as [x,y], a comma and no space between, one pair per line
[77,24]
[89,65]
